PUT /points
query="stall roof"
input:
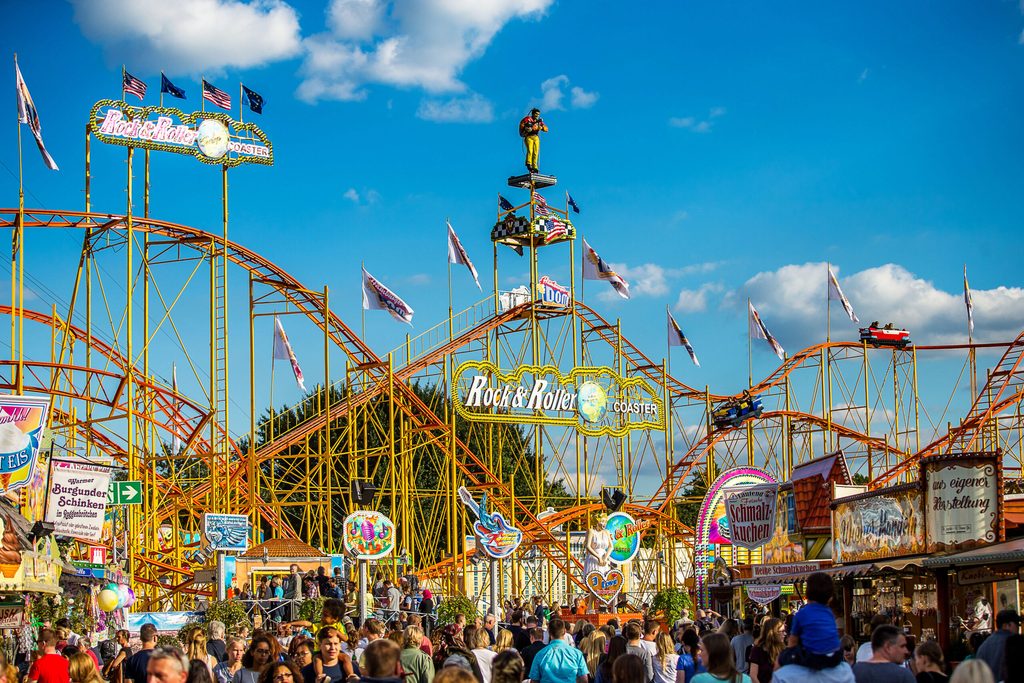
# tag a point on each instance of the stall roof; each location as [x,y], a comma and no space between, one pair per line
[812,488]
[860,569]
[283,547]
[1010,551]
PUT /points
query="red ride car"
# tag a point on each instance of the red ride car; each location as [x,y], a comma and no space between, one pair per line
[889,335]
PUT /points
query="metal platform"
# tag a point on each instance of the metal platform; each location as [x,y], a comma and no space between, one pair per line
[533,181]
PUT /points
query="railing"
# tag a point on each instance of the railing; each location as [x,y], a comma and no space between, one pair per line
[440,334]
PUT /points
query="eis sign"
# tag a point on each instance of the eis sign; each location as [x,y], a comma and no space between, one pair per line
[594,400]
[211,137]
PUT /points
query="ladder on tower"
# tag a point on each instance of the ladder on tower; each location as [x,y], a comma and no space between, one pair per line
[220,447]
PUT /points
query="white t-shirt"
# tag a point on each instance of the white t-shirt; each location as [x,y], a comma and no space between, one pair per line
[864,652]
[667,674]
[650,646]
[484,657]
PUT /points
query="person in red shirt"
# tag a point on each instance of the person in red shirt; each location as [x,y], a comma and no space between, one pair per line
[49,667]
[530,129]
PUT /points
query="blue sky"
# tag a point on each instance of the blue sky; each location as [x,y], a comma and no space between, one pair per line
[718,151]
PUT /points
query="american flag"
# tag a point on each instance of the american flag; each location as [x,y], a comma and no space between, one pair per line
[540,205]
[556,228]
[218,97]
[132,85]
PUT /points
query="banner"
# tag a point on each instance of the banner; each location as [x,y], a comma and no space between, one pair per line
[22,422]
[625,532]
[885,523]
[226,532]
[368,535]
[765,594]
[765,570]
[751,514]
[77,501]
[961,502]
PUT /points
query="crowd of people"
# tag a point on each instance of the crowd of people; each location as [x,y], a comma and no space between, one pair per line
[533,644]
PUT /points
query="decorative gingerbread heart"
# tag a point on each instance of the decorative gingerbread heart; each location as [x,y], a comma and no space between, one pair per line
[605,586]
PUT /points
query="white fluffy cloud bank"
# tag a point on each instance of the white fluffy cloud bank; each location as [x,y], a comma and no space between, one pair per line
[191,36]
[791,301]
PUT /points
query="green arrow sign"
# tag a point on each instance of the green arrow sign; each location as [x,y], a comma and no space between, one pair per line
[126,493]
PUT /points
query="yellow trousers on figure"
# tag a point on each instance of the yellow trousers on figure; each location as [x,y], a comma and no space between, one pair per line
[532,150]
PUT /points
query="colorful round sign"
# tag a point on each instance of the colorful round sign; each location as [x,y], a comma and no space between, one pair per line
[625,533]
[369,535]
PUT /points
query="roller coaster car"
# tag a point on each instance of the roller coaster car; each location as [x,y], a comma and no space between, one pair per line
[888,335]
[734,413]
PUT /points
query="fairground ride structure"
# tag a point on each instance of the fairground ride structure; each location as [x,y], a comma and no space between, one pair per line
[390,418]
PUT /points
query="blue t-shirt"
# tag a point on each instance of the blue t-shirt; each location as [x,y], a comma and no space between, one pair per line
[815,626]
[689,667]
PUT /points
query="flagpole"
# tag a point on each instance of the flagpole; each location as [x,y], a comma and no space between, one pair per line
[750,362]
[240,102]
[972,358]
[668,345]
[828,303]
[448,258]
[362,309]
[16,254]
[161,89]
[273,363]
[202,100]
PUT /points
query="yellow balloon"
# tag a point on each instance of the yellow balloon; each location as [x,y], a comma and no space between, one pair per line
[107,599]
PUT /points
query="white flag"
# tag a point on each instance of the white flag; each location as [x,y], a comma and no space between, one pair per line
[457,254]
[377,297]
[596,268]
[969,302]
[175,441]
[283,351]
[27,114]
[677,338]
[836,294]
[758,330]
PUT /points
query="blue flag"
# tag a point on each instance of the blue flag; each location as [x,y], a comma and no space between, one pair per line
[572,202]
[167,87]
[255,100]
[504,204]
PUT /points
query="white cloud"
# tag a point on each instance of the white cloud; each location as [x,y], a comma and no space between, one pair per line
[371,196]
[651,279]
[696,300]
[191,36]
[405,43]
[471,109]
[792,303]
[552,94]
[419,279]
[695,125]
[355,19]
[863,76]
[581,99]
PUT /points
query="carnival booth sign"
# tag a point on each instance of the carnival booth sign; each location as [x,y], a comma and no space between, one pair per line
[12,614]
[765,594]
[77,499]
[962,497]
[625,532]
[211,137]
[226,532]
[879,524]
[22,422]
[494,533]
[597,401]
[552,293]
[751,514]
[369,535]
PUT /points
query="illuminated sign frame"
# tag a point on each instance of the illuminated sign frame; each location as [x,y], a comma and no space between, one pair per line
[563,399]
[117,123]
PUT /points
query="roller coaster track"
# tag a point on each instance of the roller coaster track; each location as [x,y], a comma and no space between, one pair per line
[421,417]
[1003,390]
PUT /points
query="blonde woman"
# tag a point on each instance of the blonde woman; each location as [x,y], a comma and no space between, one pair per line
[593,649]
[81,669]
[503,641]
[765,652]
[666,660]
[195,648]
[972,671]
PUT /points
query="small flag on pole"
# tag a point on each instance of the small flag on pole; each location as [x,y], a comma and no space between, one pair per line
[255,100]
[540,205]
[836,294]
[677,338]
[758,330]
[595,268]
[175,439]
[132,85]
[518,248]
[504,204]
[572,202]
[377,297]
[216,96]
[457,254]
[283,351]
[27,114]
[167,87]
[969,302]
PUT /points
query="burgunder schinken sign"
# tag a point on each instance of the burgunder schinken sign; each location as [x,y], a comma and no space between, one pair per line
[594,400]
